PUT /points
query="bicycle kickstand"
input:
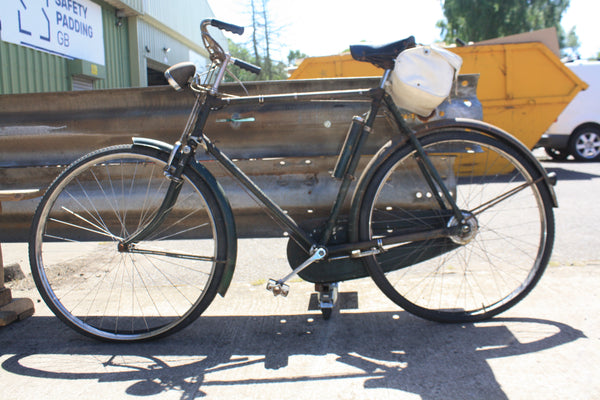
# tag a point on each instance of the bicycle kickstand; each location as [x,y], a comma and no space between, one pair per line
[328,295]
[278,287]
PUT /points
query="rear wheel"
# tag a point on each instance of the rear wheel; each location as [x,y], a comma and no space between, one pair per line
[474,274]
[102,290]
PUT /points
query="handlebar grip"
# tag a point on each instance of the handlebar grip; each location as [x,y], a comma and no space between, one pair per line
[238,30]
[247,66]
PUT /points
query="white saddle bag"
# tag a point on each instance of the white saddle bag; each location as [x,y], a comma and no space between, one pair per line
[422,78]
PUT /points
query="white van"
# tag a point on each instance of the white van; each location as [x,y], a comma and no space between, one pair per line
[576,131]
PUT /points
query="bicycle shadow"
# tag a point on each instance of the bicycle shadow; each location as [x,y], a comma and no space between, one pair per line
[382,349]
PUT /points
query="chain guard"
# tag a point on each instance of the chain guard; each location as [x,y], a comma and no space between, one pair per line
[329,271]
[325,271]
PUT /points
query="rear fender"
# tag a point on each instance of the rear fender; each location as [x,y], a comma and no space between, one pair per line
[386,151]
[225,208]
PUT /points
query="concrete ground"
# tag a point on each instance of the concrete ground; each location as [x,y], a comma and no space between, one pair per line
[250,345]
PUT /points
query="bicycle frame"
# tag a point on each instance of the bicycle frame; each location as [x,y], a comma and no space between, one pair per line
[151,252]
[194,136]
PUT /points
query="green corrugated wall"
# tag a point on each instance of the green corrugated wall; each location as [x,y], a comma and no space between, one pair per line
[150,27]
[116,50]
[24,70]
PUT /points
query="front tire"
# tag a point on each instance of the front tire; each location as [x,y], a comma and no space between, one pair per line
[470,276]
[96,287]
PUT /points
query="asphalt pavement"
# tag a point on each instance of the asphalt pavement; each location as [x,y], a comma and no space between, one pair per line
[251,345]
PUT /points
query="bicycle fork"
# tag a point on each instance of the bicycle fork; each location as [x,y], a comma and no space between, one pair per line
[173,171]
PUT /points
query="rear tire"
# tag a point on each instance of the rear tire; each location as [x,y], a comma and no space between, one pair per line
[471,276]
[110,294]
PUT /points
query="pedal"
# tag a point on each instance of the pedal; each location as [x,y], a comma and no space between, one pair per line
[277,288]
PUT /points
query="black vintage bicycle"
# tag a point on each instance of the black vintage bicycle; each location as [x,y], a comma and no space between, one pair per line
[133,242]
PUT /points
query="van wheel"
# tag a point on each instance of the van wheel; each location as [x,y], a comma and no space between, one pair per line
[556,154]
[585,144]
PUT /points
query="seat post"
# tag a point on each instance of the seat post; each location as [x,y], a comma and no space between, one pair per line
[384,78]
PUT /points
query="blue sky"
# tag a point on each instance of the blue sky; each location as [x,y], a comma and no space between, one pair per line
[323,27]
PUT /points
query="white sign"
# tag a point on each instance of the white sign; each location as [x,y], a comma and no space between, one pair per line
[68,28]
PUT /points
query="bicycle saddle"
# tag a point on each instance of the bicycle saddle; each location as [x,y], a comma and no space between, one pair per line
[382,56]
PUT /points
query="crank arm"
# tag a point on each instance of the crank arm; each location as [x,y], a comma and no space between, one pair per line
[278,287]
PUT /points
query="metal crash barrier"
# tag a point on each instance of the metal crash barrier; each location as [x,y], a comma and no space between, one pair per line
[288,149]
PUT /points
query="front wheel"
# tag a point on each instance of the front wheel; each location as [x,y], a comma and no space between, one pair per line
[111,292]
[474,274]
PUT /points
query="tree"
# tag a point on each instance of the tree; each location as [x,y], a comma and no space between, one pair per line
[571,44]
[263,32]
[268,64]
[476,20]
[295,55]
[242,53]
[239,51]
[255,40]
[259,49]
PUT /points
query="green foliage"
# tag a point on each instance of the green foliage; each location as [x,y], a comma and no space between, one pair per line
[476,20]
[242,53]
[570,44]
[258,52]
[278,70]
[294,56]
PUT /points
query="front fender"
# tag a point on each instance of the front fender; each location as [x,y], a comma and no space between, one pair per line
[222,201]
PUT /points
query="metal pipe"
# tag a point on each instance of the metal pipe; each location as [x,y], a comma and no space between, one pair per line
[273,209]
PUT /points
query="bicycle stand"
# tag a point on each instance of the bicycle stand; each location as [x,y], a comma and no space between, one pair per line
[328,296]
